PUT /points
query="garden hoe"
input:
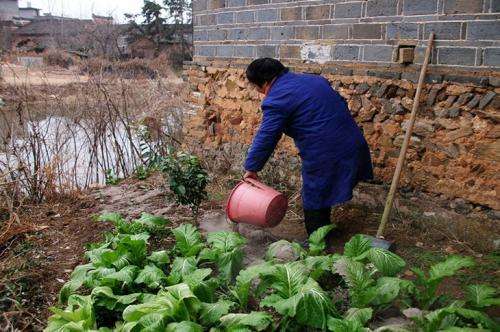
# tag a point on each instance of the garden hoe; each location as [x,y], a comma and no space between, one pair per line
[379,241]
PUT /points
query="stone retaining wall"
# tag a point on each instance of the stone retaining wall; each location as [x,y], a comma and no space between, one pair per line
[455,149]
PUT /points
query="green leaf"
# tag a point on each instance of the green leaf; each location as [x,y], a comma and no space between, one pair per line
[257,320]
[449,267]
[344,325]
[317,243]
[210,313]
[389,288]
[160,258]
[225,241]
[298,296]
[103,296]
[151,221]
[78,315]
[241,290]
[119,278]
[77,279]
[112,217]
[181,267]
[481,296]
[185,326]
[151,276]
[357,246]
[386,262]
[188,240]
[362,316]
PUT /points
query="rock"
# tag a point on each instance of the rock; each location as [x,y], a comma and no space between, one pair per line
[355,104]
[494,132]
[448,124]
[449,101]
[457,90]
[494,214]
[473,102]
[461,206]
[236,120]
[382,90]
[407,103]
[366,103]
[486,99]
[453,112]
[496,244]
[429,214]
[414,141]
[361,88]
[459,133]
[420,128]
[488,150]
[431,98]
[366,115]
[463,99]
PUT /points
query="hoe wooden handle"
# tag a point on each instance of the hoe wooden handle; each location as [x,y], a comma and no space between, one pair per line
[406,142]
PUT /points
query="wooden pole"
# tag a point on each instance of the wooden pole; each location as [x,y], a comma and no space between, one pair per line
[406,142]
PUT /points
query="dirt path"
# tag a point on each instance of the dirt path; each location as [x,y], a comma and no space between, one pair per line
[34,267]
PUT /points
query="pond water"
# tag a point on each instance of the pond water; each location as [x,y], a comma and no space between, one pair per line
[75,152]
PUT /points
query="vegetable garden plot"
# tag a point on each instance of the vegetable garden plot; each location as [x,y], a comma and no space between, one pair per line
[199,285]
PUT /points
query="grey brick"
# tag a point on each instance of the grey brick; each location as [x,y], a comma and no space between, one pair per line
[307,32]
[258,33]
[199,5]
[267,15]
[318,12]
[266,51]
[382,7]
[257,2]
[216,4]
[345,52]
[244,51]
[443,30]
[347,10]
[235,3]
[217,34]
[245,17]
[291,14]
[495,6]
[289,52]
[225,18]
[488,30]
[463,6]
[337,31]
[199,35]
[208,19]
[492,57]
[225,51]
[420,7]
[282,33]
[402,31]
[456,56]
[237,34]
[366,31]
[205,50]
[378,53]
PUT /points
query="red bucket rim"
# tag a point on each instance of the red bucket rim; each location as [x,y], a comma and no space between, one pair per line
[229,199]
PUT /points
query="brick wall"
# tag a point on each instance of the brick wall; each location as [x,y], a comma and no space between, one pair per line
[371,31]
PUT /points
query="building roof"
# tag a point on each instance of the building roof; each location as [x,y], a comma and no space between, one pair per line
[46,25]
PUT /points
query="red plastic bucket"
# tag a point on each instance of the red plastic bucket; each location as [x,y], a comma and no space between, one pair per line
[252,202]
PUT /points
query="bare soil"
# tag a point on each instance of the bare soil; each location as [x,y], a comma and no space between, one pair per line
[34,266]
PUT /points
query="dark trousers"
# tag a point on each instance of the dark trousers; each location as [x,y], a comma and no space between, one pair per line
[315,219]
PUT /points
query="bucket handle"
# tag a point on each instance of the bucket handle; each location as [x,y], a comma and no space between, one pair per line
[254,183]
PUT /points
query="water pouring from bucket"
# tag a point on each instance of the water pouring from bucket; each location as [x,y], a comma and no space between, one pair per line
[252,202]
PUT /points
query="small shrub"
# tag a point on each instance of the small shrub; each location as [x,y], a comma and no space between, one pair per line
[58,58]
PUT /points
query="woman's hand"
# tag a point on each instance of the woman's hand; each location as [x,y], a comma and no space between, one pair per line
[251,175]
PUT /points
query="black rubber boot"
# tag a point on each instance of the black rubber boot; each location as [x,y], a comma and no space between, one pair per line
[315,219]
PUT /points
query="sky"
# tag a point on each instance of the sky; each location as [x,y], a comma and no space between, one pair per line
[85,8]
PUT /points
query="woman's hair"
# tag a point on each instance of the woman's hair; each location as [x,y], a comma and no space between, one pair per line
[264,70]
